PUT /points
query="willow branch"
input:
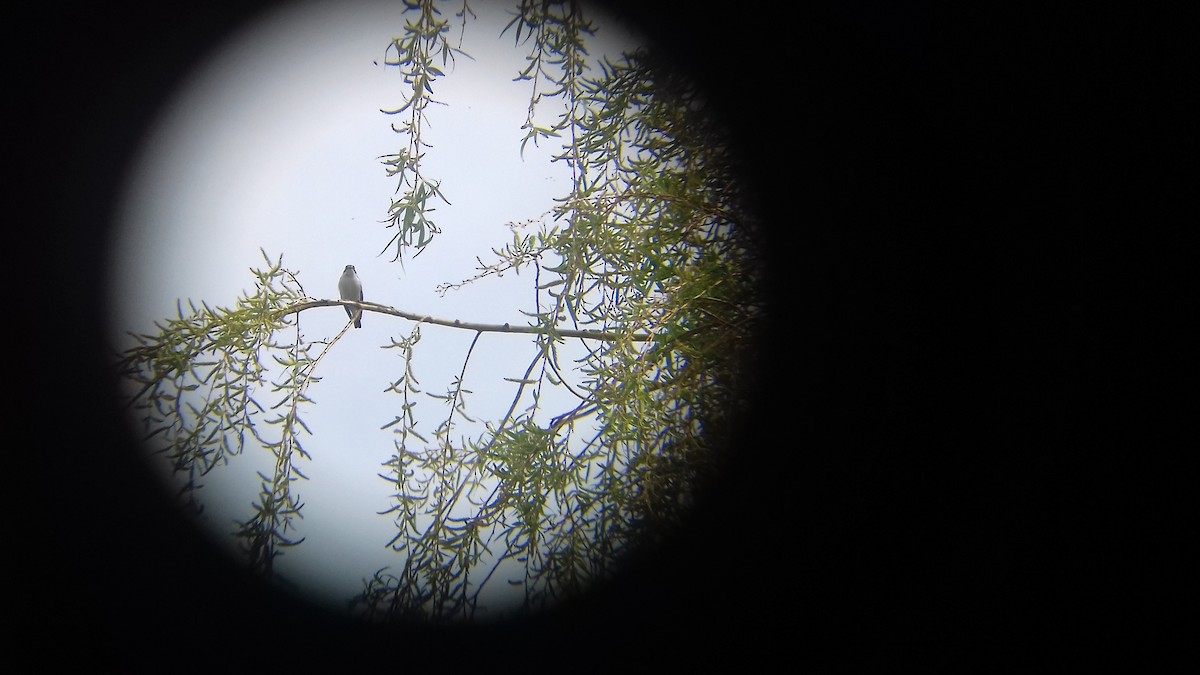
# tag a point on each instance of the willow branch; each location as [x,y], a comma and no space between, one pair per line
[467,325]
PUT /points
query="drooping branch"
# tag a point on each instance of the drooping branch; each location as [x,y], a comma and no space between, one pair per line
[468,325]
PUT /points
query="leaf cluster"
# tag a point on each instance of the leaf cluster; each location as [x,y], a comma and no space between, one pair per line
[198,385]
[425,38]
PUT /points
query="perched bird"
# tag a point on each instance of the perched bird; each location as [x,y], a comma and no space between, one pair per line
[351,289]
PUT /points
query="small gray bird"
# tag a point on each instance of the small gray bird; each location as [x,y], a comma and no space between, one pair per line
[351,289]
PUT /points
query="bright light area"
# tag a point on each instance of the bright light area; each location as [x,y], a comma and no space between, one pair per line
[273,143]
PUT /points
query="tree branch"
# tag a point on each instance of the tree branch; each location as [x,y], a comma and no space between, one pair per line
[468,325]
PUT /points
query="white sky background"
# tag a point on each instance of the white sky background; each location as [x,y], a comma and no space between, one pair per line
[274,143]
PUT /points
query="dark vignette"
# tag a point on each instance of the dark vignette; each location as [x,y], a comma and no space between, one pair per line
[920,507]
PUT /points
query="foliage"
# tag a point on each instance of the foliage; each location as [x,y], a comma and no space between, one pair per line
[653,238]
[198,376]
[414,57]
[653,248]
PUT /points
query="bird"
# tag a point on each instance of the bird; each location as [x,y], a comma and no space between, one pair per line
[350,288]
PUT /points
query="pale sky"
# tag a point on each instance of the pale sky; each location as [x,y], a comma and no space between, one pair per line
[273,142]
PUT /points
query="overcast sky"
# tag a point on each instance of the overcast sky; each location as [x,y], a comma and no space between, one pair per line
[273,142]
